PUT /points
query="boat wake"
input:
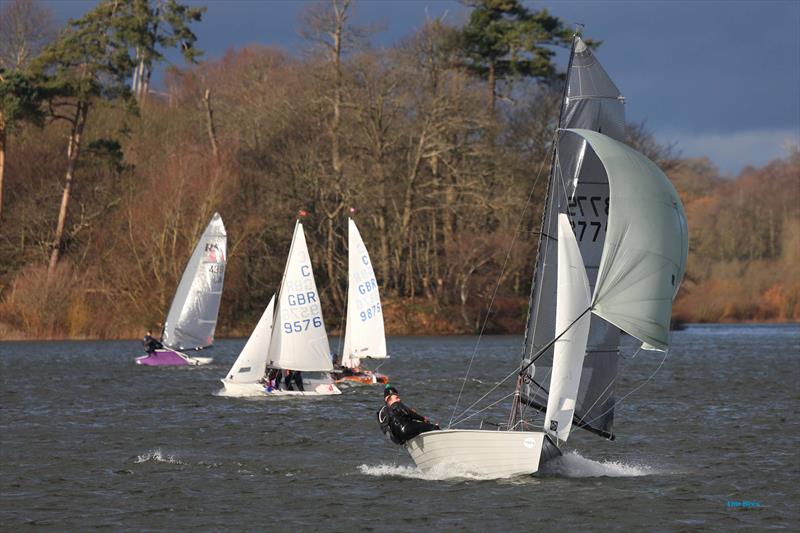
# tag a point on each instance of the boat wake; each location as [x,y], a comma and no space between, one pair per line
[157,456]
[573,464]
[448,472]
[570,465]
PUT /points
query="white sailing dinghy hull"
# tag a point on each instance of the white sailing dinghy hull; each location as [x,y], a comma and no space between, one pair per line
[242,390]
[487,453]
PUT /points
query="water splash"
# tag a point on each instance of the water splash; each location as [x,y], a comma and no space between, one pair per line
[158,456]
[570,465]
[573,464]
[445,472]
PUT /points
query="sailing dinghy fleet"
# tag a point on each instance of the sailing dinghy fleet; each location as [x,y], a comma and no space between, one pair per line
[290,335]
[611,255]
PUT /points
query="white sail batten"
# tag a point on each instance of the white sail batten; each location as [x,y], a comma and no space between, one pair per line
[364,334]
[574,298]
[647,243]
[251,365]
[299,340]
[192,317]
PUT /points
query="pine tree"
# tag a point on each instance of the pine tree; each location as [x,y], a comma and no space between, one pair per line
[504,39]
[92,59]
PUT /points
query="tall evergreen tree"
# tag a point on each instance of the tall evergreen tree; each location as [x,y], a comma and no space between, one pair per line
[92,60]
[504,39]
[152,27]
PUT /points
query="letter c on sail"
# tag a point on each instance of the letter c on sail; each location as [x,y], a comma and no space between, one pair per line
[305,270]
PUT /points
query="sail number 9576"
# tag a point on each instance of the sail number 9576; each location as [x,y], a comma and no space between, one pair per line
[302,325]
[582,208]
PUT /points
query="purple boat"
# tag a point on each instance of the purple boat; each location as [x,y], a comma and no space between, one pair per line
[167,357]
[192,317]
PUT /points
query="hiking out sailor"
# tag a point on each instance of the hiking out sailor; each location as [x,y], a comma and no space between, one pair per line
[150,344]
[399,422]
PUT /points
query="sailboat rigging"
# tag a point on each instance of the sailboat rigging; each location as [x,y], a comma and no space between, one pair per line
[610,258]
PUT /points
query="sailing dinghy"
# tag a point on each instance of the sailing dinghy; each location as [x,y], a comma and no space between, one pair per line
[192,317]
[364,336]
[298,340]
[611,256]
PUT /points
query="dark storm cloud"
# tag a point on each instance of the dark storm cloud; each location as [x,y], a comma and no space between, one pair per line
[720,78]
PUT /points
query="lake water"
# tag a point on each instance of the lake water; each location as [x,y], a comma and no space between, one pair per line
[89,439]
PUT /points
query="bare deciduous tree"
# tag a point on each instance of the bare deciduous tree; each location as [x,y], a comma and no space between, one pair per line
[26,26]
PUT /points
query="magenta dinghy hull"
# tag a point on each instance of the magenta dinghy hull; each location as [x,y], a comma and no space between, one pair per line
[168,357]
[162,358]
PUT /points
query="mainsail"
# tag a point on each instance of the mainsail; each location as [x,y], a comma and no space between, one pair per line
[251,364]
[299,340]
[578,186]
[364,335]
[192,317]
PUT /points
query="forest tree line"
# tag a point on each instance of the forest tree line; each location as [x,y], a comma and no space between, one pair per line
[437,146]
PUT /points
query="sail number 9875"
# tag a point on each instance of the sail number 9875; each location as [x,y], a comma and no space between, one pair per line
[369,312]
[302,325]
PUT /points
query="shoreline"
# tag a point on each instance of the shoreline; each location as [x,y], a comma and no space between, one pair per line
[15,336]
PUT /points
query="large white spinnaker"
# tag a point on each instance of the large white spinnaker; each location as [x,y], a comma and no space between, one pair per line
[299,340]
[572,324]
[251,365]
[646,246]
[364,335]
[192,317]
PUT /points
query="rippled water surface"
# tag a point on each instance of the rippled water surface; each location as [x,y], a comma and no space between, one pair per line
[89,439]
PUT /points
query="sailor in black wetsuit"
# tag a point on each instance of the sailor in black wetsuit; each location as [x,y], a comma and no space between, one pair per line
[288,377]
[150,344]
[399,422]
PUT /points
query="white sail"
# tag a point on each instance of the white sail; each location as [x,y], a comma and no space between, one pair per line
[573,301]
[251,365]
[192,317]
[299,340]
[364,335]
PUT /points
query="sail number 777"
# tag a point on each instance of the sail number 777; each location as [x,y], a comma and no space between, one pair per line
[584,208]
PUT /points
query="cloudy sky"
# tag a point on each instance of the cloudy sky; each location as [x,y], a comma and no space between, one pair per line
[719,78]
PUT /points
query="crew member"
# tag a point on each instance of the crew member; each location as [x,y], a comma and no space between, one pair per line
[150,344]
[399,422]
[290,376]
